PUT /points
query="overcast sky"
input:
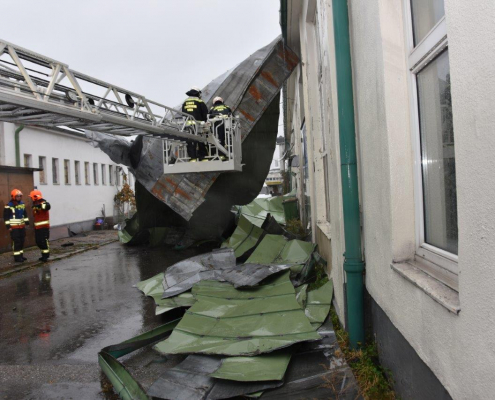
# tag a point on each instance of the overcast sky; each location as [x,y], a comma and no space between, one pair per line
[158,48]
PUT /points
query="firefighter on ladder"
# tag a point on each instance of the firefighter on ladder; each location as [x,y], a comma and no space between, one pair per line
[41,223]
[195,107]
[219,109]
[16,219]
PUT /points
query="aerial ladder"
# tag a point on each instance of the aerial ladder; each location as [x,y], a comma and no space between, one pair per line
[37,90]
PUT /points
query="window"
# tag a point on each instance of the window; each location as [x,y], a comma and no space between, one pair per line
[42,166]
[103,174]
[110,175]
[28,160]
[77,171]
[67,172]
[95,173]
[55,172]
[118,172]
[436,198]
[86,173]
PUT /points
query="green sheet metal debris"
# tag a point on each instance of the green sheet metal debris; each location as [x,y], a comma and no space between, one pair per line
[153,287]
[265,367]
[316,303]
[240,326]
[275,249]
[244,238]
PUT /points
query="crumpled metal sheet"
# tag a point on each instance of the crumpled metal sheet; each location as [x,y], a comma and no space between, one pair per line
[153,287]
[317,371]
[240,326]
[250,89]
[191,380]
[258,210]
[247,274]
[244,238]
[265,367]
[318,304]
[275,249]
[181,276]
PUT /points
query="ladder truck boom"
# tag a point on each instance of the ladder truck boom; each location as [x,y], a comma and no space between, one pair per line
[38,90]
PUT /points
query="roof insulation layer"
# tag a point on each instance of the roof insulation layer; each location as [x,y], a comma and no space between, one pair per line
[242,325]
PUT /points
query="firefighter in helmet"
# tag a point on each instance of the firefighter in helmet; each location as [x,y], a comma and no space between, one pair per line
[195,107]
[219,109]
[41,223]
[15,217]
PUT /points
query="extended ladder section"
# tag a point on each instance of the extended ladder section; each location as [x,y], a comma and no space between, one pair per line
[37,90]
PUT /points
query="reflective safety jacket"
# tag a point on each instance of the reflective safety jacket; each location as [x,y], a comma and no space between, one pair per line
[196,107]
[220,109]
[41,214]
[14,215]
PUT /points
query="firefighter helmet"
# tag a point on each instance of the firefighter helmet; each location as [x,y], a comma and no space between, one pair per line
[15,192]
[35,195]
[218,98]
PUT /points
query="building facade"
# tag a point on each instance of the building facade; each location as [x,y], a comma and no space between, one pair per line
[79,180]
[424,94]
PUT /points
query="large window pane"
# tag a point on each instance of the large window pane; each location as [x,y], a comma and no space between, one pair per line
[437,154]
[425,14]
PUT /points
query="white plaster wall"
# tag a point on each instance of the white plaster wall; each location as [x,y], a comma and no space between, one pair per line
[70,203]
[458,348]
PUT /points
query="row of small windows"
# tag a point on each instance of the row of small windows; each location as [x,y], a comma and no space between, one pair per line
[99,171]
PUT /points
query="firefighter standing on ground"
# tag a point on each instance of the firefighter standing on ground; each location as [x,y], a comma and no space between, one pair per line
[220,109]
[41,223]
[15,217]
[195,107]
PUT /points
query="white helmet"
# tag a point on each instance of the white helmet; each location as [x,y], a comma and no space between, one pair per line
[197,89]
[218,98]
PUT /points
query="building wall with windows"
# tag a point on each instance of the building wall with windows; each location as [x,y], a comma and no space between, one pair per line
[424,91]
[77,179]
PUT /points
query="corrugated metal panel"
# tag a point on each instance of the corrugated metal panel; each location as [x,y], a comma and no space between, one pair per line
[240,326]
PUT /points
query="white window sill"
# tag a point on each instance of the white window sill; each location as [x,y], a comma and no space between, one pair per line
[325,227]
[441,293]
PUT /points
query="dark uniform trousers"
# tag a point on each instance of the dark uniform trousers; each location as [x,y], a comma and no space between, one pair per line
[42,235]
[18,236]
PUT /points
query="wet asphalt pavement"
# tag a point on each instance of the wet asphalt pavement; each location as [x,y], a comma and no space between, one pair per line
[55,319]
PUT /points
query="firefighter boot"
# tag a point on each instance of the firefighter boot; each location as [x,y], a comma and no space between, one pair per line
[18,258]
[44,258]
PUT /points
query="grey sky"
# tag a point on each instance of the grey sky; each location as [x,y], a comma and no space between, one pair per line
[156,48]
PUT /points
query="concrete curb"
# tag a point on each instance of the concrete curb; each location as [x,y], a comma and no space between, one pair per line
[56,258]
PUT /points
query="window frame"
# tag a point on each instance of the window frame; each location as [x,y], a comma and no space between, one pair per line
[418,57]
[42,166]
[110,175]
[28,160]
[87,173]
[96,180]
[103,174]
[55,171]
[77,172]
[67,177]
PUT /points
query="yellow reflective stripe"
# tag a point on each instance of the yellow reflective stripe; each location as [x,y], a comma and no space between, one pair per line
[195,99]
[17,253]
[7,207]
[7,222]
[45,251]
[41,223]
[26,219]
[43,206]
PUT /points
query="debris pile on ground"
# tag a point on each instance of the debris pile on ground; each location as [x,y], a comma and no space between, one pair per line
[252,325]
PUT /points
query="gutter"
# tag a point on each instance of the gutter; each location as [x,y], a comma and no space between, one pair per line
[17,146]
[353,260]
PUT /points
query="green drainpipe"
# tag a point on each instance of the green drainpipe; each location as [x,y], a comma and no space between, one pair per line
[17,146]
[353,260]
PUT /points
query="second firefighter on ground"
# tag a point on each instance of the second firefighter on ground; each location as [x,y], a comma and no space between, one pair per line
[41,223]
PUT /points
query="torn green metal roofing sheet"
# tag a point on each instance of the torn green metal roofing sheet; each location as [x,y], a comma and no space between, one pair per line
[258,209]
[244,238]
[318,304]
[181,276]
[191,380]
[240,326]
[265,367]
[153,287]
[275,249]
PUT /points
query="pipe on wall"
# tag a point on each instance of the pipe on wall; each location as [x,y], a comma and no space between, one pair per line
[18,146]
[353,260]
